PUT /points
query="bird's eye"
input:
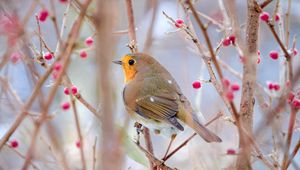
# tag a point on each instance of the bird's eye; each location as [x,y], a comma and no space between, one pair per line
[131,62]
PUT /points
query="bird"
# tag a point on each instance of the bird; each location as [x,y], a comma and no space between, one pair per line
[153,98]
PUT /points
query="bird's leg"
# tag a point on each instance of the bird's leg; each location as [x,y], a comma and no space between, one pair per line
[170,144]
[139,129]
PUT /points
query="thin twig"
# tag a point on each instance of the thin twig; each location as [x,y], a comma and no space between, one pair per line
[265,3]
[291,157]
[79,134]
[22,156]
[94,153]
[131,26]
[289,138]
[66,60]
[220,114]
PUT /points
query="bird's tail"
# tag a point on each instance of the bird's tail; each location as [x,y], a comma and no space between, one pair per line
[206,134]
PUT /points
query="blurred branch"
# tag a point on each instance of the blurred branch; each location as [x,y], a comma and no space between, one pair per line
[149,38]
[110,149]
[94,153]
[54,20]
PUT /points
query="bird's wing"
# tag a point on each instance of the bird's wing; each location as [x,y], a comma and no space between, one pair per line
[162,107]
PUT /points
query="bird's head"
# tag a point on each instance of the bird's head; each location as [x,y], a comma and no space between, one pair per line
[136,63]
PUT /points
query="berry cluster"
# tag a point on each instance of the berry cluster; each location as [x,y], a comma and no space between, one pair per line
[230,88]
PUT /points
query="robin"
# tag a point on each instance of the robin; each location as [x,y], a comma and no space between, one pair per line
[154,99]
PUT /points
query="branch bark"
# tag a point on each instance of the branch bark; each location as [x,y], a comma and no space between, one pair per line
[249,81]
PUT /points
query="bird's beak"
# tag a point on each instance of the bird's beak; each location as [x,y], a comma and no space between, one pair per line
[118,62]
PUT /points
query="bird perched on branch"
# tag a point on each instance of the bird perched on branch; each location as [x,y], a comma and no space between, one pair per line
[154,99]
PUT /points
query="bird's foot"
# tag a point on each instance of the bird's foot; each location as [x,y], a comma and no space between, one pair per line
[139,130]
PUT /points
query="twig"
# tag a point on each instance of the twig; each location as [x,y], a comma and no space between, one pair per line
[78,129]
[265,3]
[220,114]
[22,156]
[207,39]
[54,20]
[148,144]
[289,138]
[213,21]
[149,38]
[94,153]
[291,157]
[25,108]
[131,25]
[287,24]
[160,164]
[66,60]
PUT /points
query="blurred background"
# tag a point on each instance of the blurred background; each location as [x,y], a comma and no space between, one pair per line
[173,49]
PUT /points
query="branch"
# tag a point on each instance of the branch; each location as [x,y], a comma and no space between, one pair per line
[131,27]
[291,126]
[220,114]
[73,104]
[249,86]
[207,39]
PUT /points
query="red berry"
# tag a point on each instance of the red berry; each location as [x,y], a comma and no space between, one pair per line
[232,39]
[14,143]
[296,103]
[291,97]
[43,15]
[83,54]
[277,17]
[196,85]
[295,51]
[258,59]
[74,90]
[57,66]
[226,42]
[230,95]
[65,105]
[264,16]
[66,91]
[48,56]
[235,87]
[276,86]
[258,52]
[270,85]
[78,144]
[231,152]
[89,41]
[226,82]
[63,1]
[15,57]
[179,23]
[274,55]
